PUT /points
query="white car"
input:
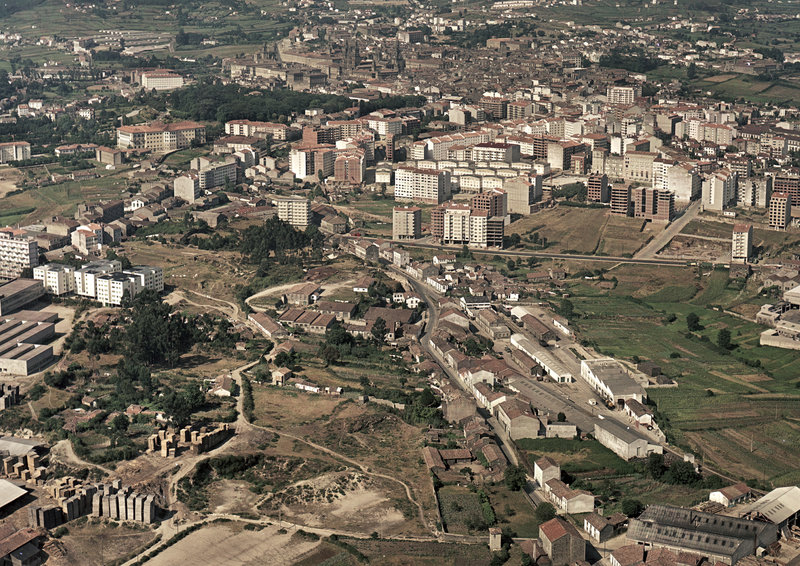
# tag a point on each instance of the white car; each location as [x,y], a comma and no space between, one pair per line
[592,402]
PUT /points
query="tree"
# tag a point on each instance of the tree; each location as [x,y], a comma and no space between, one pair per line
[330,354]
[511,265]
[724,339]
[120,423]
[691,72]
[632,507]
[515,478]
[655,465]
[682,473]
[545,512]
[379,329]
[693,322]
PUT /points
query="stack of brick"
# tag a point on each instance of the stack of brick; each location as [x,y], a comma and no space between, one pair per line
[100,500]
[47,517]
[203,440]
[123,505]
[25,467]
[169,444]
[9,395]
[165,442]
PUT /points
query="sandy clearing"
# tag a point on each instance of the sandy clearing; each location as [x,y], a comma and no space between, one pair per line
[221,544]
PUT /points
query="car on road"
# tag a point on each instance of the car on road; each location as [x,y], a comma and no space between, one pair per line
[592,402]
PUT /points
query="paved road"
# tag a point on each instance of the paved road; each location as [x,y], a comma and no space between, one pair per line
[664,238]
[574,257]
[433,312]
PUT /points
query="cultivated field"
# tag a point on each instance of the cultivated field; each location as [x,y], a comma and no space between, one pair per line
[584,230]
[725,397]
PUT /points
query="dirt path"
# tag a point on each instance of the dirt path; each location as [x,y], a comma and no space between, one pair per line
[327,288]
[243,424]
[229,309]
[64,452]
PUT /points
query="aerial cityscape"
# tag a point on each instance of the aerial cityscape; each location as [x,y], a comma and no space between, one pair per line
[344,282]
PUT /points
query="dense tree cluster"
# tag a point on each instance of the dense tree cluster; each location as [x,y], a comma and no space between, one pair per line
[633,60]
[212,100]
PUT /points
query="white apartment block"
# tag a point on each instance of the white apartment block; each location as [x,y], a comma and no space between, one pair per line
[14,151]
[57,279]
[385,126]
[86,276]
[161,80]
[309,161]
[295,210]
[215,173]
[421,185]
[160,137]
[436,148]
[17,253]
[742,243]
[456,226]
[684,181]
[478,228]
[149,277]
[719,190]
[112,288]
[406,223]
[256,129]
[106,282]
[622,94]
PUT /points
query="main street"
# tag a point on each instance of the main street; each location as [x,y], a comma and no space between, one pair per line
[547,255]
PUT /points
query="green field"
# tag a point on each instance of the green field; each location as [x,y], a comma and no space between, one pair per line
[724,397]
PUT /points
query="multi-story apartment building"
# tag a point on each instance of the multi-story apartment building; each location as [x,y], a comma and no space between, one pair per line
[86,276]
[519,109]
[719,190]
[742,243]
[652,204]
[187,187]
[57,279]
[161,80]
[597,188]
[620,199]
[215,171]
[639,166]
[149,277]
[17,253]
[312,161]
[14,151]
[485,231]
[494,106]
[522,193]
[623,94]
[350,167]
[684,181]
[458,223]
[455,224]
[406,223]
[719,134]
[436,148]
[87,239]
[491,151]
[160,137]
[780,206]
[755,191]
[256,129]
[112,288]
[788,182]
[421,185]
[295,210]
[106,282]
[494,202]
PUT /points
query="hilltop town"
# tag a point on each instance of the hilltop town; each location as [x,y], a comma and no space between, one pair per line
[511,282]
